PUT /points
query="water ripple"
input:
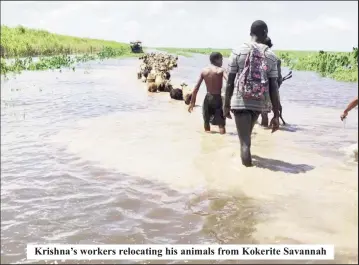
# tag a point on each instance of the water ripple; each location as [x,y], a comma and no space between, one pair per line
[94,159]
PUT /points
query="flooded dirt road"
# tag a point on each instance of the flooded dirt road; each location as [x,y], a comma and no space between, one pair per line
[90,157]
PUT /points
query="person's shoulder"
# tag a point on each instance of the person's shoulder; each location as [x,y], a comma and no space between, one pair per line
[224,69]
[205,70]
[270,55]
[220,70]
[242,49]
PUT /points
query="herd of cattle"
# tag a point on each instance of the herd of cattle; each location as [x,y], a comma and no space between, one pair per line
[155,72]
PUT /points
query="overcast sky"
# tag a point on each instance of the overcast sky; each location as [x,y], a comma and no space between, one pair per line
[305,25]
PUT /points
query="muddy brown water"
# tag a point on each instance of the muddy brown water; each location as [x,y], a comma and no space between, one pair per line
[90,157]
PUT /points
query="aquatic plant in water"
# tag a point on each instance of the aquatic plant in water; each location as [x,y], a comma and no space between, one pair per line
[57,62]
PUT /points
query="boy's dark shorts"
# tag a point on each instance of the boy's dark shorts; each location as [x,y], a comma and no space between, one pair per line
[213,110]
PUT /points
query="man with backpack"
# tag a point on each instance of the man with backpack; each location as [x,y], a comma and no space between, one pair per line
[252,87]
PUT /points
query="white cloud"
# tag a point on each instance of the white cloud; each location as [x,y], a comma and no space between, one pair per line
[181,12]
[131,26]
[155,8]
[292,25]
[132,29]
[61,13]
[300,27]
[337,23]
[106,20]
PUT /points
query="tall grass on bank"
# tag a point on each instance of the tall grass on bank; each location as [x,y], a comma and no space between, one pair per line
[25,42]
[54,51]
[342,66]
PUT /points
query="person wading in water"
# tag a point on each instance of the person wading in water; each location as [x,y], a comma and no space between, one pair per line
[212,105]
[265,120]
[252,85]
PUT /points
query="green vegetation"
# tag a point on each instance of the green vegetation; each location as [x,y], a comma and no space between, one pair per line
[54,51]
[21,42]
[176,51]
[24,42]
[187,51]
[342,66]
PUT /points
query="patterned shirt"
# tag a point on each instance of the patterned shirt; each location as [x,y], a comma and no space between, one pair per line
[236,66]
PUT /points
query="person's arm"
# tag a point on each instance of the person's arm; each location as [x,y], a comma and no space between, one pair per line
[225,75]
[229,90]
[351,106]
[273,93]
[233,69]
[195,91]
[272,74]
[280,77]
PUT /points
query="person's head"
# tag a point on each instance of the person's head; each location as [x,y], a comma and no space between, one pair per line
[268,42]
[259,31]
[216,59]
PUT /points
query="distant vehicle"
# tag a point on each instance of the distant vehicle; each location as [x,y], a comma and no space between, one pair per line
[136,46]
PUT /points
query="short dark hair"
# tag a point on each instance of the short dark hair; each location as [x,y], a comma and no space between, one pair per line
[215,56]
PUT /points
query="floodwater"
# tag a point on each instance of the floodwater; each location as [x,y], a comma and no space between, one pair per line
[90,157]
